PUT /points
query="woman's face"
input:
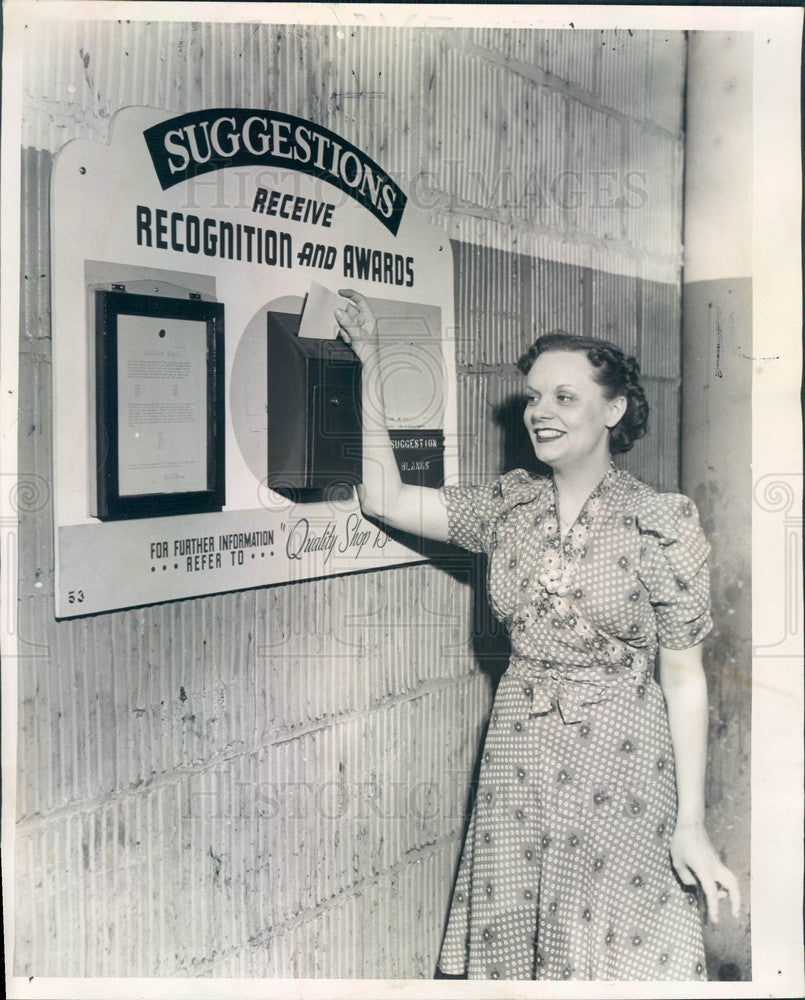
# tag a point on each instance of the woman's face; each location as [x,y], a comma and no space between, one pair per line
[567,415]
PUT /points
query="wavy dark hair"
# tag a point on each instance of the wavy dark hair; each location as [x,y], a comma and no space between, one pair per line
[617,373]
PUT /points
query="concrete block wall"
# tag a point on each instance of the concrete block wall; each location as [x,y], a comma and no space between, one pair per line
[272,783]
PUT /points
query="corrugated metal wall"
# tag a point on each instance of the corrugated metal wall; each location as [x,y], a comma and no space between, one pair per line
[272,783]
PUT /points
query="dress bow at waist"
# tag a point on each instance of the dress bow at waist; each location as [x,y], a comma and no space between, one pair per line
[550,687]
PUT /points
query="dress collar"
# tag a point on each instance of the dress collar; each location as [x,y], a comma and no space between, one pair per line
[519,487]
[574,542]
[601,487]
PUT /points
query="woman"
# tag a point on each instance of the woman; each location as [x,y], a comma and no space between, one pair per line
[589,816]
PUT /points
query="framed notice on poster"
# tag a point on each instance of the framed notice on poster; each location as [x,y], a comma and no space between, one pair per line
[159,398]
[175,246]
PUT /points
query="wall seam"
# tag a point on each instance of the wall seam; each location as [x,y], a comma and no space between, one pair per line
[169,777]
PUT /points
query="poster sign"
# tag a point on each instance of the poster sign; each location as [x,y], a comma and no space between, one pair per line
[177,247]
[163,436]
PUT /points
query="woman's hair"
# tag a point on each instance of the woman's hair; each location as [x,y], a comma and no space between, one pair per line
[617,373]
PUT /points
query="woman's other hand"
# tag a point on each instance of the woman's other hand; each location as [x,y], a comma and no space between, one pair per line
[695,860]
[357,324]
[684,685]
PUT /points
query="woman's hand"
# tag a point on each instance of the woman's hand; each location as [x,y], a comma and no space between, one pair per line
[684,685]
[357,323]
[695,860]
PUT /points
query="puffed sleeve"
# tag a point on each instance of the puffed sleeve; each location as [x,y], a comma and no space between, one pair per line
[472,513]
[674,569]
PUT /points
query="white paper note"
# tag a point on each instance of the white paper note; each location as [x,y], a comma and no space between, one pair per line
[318,321]
[161,405]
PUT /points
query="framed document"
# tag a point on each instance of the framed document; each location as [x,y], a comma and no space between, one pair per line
[159,405]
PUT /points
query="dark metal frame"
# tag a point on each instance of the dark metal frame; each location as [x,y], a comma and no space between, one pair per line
[109,305]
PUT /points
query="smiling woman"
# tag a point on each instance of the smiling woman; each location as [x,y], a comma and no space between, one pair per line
[589,818]
[591,798]
[567,414]
[585,390]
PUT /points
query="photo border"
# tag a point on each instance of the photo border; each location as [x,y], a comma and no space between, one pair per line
[777,677]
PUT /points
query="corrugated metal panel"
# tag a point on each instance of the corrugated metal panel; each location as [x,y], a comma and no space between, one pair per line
[595,148]
[503,152]
[659,332]
[332,853]
[542,295]
[337,780]
[445,154]
[665,81]
[327,946]
[33,612]
[234,876]
[614,309]
[496,140]
[362,937]
[353,645]
[558,293]
[655,459]
[579,300]
[654,163]
[35,234]
[43,713]
[561,247]
[541,158]
[350,83]
[373,95]
[505,420]
[625,58]
[492,296]
[568,55]
[481,140]
[111,905]
[477,459]
[389,937]
[601,199]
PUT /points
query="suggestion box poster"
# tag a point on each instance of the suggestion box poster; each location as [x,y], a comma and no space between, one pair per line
[175,246]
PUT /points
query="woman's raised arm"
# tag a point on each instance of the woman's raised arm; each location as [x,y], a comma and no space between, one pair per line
[419,510]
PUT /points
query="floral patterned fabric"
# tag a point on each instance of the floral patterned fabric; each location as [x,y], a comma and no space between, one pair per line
[566,871]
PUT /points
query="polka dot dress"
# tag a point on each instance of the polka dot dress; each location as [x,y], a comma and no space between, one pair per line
[566,870]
